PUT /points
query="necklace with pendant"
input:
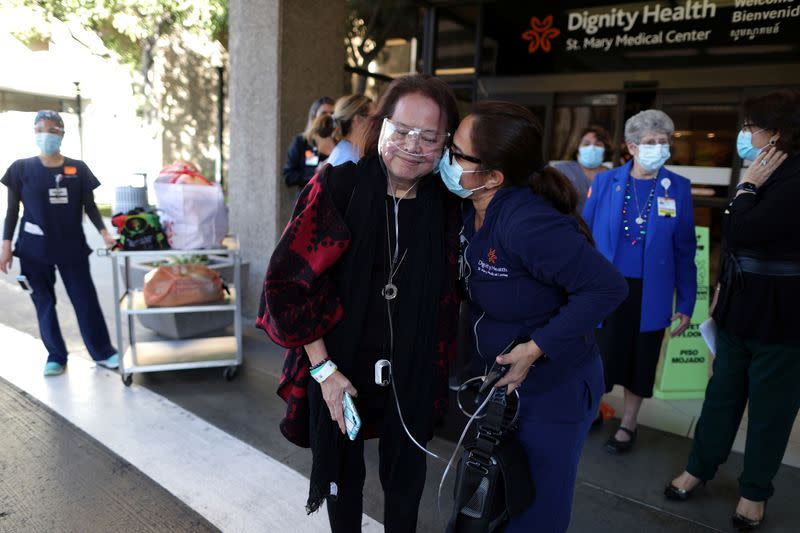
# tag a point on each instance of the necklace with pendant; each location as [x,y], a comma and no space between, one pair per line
[389,290]
[641,218]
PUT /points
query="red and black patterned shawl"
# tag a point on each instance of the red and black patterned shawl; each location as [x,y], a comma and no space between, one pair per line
[314,288]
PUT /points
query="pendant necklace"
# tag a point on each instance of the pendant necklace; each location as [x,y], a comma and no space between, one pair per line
[389,290]
[641,218]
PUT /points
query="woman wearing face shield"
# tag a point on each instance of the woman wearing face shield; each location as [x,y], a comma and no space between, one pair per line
[594,147]
[366,272]
[757,359]
[55,192]
[642,219]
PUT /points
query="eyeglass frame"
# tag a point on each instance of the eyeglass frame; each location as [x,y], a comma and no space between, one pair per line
[462,156]
[419,133]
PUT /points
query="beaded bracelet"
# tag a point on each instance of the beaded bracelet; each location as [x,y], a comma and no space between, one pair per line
[314,367]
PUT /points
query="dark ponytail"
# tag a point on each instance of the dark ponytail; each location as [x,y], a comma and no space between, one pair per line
[555,187]
[508,137]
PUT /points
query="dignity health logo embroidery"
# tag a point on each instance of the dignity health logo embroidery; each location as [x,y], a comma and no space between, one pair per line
[540,34]
[490,267]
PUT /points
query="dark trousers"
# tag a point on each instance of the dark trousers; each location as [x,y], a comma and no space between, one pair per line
[552,428]
[402,485]
[77,280]
[769,376]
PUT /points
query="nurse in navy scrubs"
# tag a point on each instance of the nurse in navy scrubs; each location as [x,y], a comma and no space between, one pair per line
[642,219]
[55,191]
[532,274]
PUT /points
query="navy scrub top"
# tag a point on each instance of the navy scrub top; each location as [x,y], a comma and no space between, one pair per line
[51,233]
[531,274]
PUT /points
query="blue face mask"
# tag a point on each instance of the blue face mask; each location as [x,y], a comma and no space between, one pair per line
[744,145]
[591,156]
[451,176]
[48,143]
[653,156]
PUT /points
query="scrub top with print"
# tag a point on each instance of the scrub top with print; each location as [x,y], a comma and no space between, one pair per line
[53,198]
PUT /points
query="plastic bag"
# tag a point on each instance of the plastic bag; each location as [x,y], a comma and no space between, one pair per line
[177,285]
[193,215]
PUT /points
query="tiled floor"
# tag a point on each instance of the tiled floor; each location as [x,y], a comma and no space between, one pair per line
[680,417]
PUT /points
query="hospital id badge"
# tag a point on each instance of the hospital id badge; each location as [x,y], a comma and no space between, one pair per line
[58,195]
[666,207]
[312,159]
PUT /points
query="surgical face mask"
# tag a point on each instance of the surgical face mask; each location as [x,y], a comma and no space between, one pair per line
[451,172]
[744,145]
[48,143]
[411,144]
[591,156]
[653,156]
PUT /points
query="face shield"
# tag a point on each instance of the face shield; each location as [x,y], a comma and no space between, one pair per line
[409,152]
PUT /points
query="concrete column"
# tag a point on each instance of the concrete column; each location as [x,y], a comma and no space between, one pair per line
[283,55]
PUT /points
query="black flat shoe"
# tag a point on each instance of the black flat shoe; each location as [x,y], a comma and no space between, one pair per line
[742,523]
[617,447]
[671,492]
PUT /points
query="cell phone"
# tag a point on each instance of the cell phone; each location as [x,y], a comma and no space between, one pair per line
[351,419]
[23,283]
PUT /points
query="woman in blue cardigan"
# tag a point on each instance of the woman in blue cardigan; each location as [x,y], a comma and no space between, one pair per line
[532,274]
[642,220]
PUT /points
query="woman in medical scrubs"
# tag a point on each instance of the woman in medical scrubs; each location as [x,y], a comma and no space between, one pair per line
[55,192]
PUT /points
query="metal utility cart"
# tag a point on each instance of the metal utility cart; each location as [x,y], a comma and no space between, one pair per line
[181,354]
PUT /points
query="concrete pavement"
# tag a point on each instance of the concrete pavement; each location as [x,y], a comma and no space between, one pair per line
[613,493]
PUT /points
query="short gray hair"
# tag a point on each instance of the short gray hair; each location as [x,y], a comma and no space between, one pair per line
[647,121]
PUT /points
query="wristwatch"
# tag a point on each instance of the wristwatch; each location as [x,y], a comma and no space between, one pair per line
[747,187]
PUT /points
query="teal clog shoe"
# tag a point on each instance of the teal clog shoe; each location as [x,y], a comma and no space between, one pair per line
[112,362]
[53,369]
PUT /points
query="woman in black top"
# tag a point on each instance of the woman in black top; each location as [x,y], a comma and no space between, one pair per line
[755,309]
[304,155]
[366,271]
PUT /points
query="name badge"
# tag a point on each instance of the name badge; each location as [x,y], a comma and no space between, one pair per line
[58,195]
[312,159]
[666,207]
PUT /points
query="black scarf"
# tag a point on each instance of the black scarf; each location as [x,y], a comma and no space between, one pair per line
[422,285]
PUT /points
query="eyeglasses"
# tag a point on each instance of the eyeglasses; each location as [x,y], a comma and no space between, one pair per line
[748,126]
[654,142]
[427,138]
[454,154]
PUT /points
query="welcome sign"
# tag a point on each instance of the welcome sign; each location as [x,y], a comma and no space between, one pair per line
[541,37]
[656,24]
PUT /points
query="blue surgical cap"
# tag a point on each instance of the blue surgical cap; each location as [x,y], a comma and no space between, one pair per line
[52,116]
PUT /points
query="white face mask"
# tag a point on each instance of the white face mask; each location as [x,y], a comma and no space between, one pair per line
[591,156]
[653,156]
[451,172]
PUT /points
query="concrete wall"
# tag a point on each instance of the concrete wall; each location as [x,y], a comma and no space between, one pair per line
[283,55]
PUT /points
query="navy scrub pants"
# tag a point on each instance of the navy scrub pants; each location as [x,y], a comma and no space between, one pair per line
[553,428]
[77,280]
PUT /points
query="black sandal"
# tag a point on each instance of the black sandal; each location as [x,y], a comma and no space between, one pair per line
[618,447]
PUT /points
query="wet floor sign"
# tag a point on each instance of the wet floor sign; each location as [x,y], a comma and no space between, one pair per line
[685,364]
